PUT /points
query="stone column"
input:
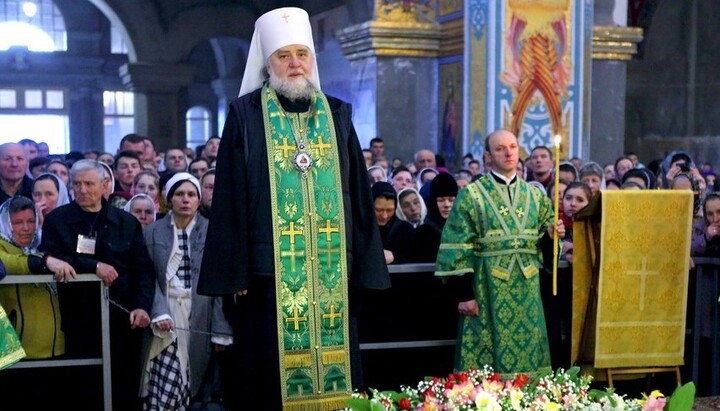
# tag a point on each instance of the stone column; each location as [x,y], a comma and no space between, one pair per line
[158,114]
[393,58]
[613,45]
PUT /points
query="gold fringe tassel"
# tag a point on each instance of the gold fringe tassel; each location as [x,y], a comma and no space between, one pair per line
[297,361]
[333,357]
[325,404]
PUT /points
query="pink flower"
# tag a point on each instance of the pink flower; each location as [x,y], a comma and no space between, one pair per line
[654,404]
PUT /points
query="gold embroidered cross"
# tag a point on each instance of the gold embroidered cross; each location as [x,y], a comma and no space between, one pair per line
[316,117]
[292,254]
[282,116]
[516,243]
[503,211]
[328,230]
[643,272]
[296,319]
[292,232]
[286,148]
[320,146]
[332,315]
[329,251]
[285,17]
[520,212]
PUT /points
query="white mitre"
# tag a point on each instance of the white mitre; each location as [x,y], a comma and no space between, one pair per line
[273,30]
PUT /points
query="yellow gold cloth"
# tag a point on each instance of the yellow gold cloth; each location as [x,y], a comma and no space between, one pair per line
[642,289]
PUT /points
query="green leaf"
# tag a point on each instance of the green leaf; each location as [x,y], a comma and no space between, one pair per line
[357,404]
[573,371]
[682,399]
[376,406]
[397,396]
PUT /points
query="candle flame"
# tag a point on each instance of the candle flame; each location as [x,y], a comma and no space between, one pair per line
[557,140]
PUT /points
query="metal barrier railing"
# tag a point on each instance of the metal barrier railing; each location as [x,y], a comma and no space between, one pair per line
[104,361]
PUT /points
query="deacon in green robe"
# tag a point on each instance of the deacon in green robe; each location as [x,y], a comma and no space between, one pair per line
[489,253]
[11,350]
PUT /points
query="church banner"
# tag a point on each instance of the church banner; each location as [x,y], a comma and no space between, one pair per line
[642,288]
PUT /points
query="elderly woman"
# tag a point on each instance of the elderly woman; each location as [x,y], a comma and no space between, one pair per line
[48,193]
[142,207]
[176,360]
[411,207]
[33,307]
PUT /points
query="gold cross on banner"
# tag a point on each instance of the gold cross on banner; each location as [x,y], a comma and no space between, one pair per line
[296,319]
[292,232]
[328,230]
[643,272]
[332,315]
[286,148]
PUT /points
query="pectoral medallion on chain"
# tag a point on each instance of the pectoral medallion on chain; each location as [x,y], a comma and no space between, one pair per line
[303,162]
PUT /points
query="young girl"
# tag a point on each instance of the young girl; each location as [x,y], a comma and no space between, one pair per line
[577,196]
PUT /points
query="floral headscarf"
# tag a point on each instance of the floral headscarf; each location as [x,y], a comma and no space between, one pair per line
[6,231]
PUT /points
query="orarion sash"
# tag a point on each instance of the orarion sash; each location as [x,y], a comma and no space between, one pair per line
[310,263]
[11,350]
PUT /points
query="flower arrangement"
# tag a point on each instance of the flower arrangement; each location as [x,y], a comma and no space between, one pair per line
[485,390]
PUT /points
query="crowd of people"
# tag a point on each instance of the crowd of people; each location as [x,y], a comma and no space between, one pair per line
[295,230]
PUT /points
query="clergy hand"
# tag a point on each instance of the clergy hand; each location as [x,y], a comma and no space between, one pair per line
[469,308]
[139,318]
[558,229]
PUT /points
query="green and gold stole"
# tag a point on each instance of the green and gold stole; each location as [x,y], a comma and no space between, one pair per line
[310,264]
[11,351]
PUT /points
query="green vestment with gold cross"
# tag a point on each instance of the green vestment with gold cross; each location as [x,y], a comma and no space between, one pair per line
[309,251]
[492,232]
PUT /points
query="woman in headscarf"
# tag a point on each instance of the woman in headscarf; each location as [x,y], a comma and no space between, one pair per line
[48,193]
[411,207]
[142,206]
[207,186]
[443,190]
[425,175]
[32,307]
[176,360]
[397,236]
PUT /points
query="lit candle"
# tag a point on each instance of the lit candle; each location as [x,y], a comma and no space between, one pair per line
[556,209]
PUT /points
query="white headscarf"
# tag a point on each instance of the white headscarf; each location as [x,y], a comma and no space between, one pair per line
[63,195]
[273,30]
[141,196]
[401,215]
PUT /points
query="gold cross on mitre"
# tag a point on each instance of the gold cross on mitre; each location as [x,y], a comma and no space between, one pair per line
[285,17]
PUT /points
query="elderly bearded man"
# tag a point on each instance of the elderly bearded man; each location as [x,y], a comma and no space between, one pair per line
[292,231]
[489,251]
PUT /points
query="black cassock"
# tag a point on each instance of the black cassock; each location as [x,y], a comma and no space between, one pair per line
[239,247]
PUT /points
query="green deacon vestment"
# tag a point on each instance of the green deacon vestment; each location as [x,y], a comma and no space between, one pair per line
[492,232]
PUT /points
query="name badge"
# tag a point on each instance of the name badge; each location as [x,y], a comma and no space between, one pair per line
[85,245]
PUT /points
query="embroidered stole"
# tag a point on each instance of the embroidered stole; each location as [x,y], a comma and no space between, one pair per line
[310,262]
[11,350]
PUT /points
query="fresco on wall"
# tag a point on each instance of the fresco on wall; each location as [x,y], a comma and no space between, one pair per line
[537,71]
[450,144]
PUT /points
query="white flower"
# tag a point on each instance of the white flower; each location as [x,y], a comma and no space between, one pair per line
[485,401]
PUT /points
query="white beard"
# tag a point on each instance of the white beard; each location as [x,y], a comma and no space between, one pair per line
[292,88]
